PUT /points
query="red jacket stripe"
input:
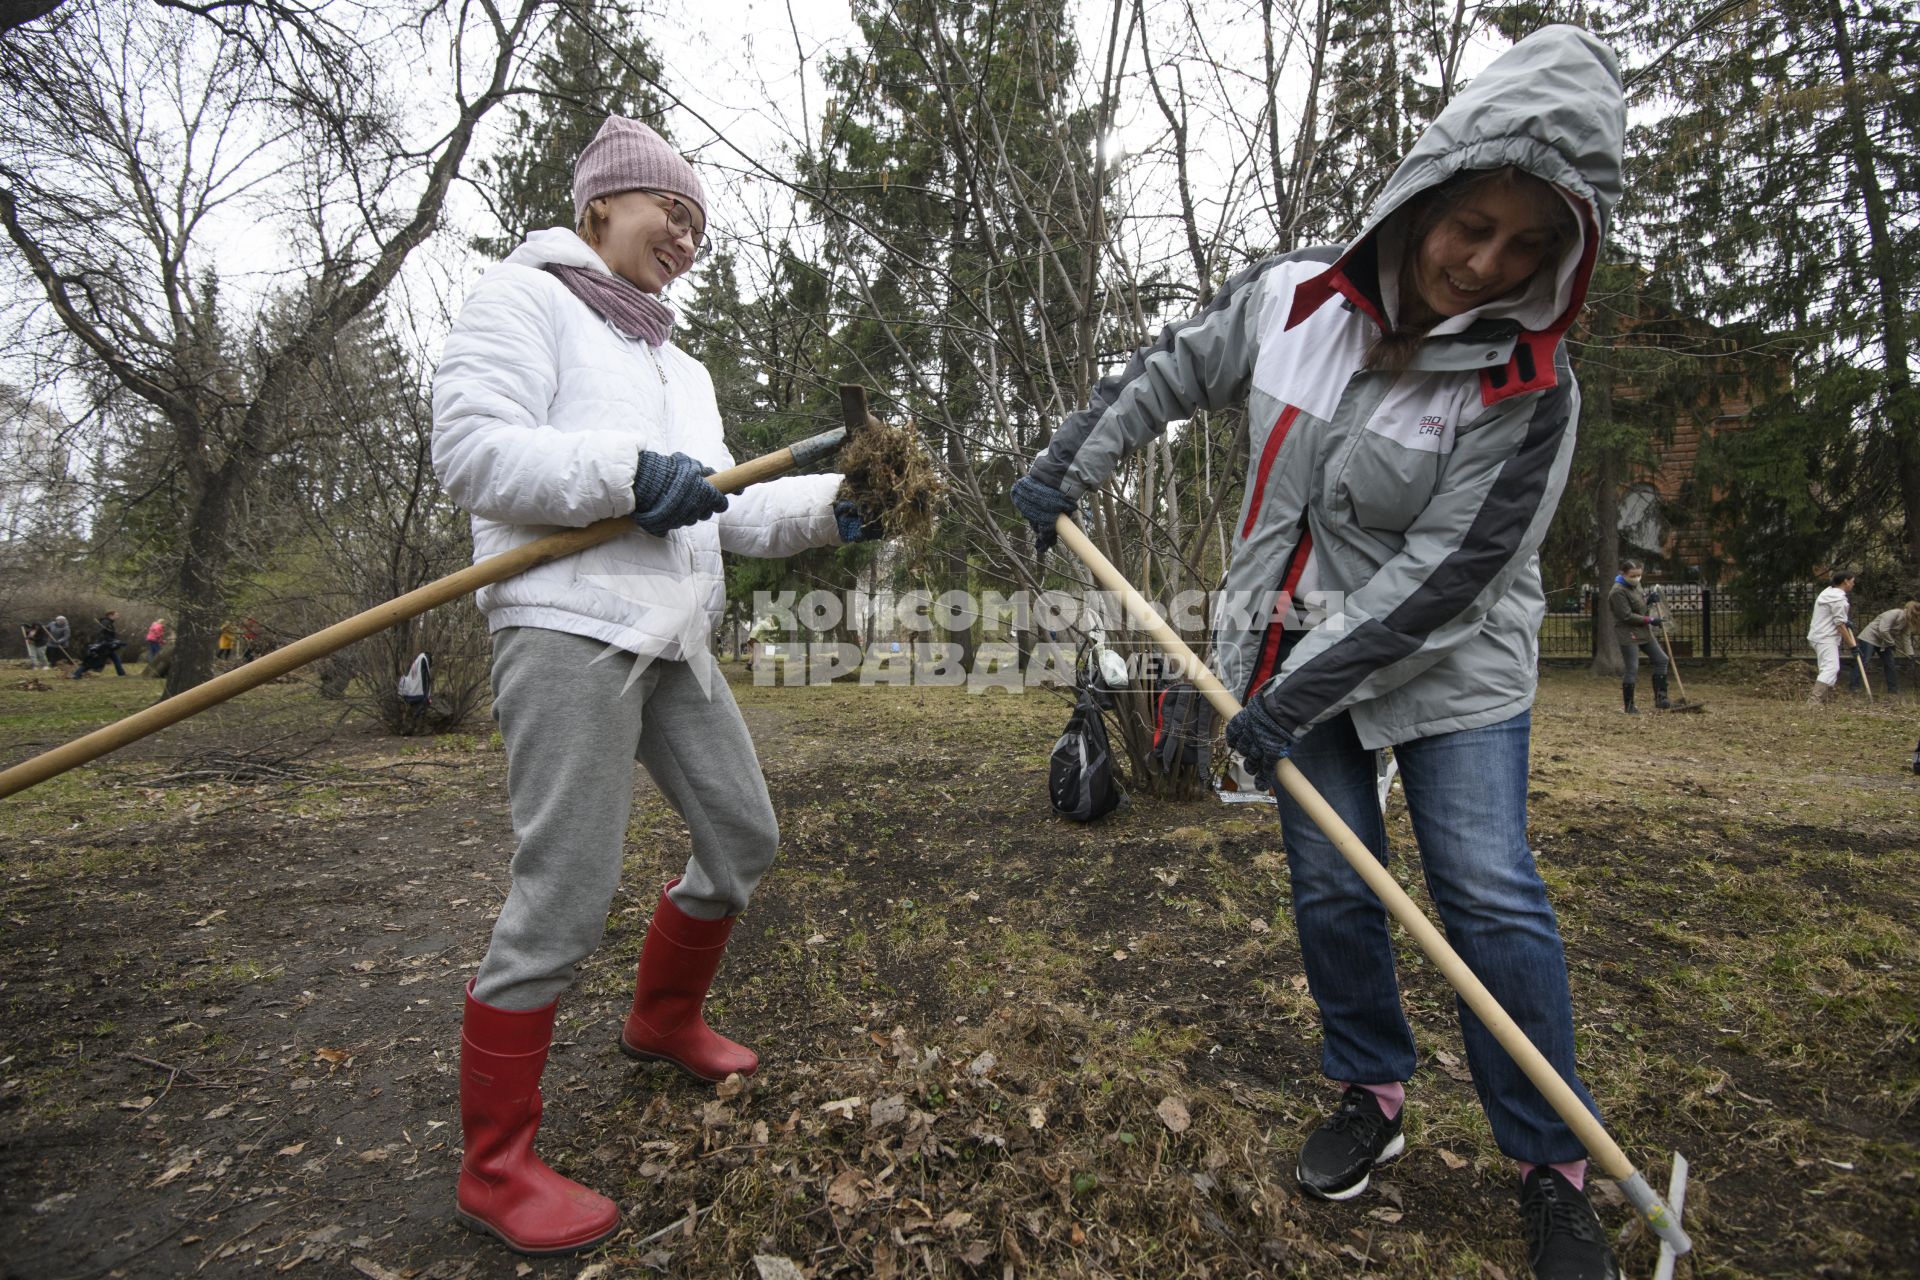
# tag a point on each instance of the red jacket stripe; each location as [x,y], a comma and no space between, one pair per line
[1276,630]
[1287,416]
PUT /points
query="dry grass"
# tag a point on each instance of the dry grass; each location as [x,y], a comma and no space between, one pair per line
[982,1027]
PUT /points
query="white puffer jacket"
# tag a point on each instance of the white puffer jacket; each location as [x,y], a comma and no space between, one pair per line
[540,411]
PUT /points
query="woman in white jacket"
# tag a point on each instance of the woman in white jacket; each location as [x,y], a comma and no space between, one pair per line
[1828,632]
[561,400]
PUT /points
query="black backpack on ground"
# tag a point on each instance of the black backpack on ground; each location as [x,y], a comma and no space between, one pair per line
[1080,780]
[1182,730]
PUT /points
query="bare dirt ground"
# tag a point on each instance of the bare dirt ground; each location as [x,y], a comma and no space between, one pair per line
[995,1044]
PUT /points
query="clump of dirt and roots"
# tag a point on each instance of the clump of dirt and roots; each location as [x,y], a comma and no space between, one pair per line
[890,476]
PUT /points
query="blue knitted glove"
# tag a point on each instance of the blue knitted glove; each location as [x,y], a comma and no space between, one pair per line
[669,492]
[855,527]
[1255,734]
[1041,504]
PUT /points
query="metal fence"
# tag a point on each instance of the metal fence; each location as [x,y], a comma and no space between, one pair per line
[1702,622]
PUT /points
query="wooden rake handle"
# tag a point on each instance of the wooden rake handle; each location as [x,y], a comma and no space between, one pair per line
[1599,1144]
[361,625]
[1673,663]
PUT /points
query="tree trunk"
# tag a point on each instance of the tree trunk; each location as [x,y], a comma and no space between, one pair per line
[1903,413]
[961,401]
[199,584]
[1609,475]
[1606,552]
[960,578]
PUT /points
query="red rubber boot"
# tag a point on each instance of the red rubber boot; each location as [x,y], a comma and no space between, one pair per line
[505,1189]
[677,964]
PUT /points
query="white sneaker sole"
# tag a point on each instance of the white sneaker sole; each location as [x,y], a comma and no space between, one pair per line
[1389,1152]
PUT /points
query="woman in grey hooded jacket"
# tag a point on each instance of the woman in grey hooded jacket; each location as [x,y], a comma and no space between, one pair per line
[1412,416]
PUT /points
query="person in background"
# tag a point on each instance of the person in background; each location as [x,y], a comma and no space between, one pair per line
[104,648]
[1889,636]
[37,638]
[1828,632]
[107,633]
[156,639]
[227,637]
[1634,625]
[60,639]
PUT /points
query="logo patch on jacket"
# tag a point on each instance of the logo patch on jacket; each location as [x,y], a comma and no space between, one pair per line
[1422,412]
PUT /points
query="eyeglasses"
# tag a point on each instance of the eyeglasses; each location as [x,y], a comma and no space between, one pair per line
[680,218]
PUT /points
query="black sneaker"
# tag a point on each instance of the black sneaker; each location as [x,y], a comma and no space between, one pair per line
[1338,1159]
[1564,1239]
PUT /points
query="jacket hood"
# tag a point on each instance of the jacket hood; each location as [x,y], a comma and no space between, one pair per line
[1552,106]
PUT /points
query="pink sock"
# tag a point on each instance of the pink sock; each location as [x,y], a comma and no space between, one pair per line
[1574,1171]
[1391,1097]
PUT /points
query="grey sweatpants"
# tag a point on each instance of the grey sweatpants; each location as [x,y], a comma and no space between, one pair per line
[573,730]
[1630,660]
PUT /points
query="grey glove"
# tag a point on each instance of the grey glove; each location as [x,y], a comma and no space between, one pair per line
[669,492]
[1255,734]
[1041,504]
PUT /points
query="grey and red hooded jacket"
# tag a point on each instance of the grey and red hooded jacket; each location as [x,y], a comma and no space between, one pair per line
[1391,521]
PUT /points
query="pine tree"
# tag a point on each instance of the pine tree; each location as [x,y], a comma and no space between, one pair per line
[1642,371]
[955,177]
[713,329]
[1782,191]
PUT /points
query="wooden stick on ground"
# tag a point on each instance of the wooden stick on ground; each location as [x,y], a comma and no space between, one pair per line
[341,634]
[1599,1144]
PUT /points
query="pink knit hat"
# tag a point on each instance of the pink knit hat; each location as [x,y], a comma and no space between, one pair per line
[626,154]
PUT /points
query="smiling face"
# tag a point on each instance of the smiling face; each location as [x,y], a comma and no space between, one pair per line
[1488,244]
[634,235]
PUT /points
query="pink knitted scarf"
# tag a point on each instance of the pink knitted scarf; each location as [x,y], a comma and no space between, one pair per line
[619,302]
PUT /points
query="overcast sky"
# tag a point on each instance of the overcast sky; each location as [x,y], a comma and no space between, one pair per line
[747,73]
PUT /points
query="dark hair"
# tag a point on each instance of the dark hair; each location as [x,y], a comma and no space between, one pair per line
[1841,575]
[1631,564]
[1393,349]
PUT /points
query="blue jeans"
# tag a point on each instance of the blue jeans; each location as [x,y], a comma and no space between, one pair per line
[1467,796]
